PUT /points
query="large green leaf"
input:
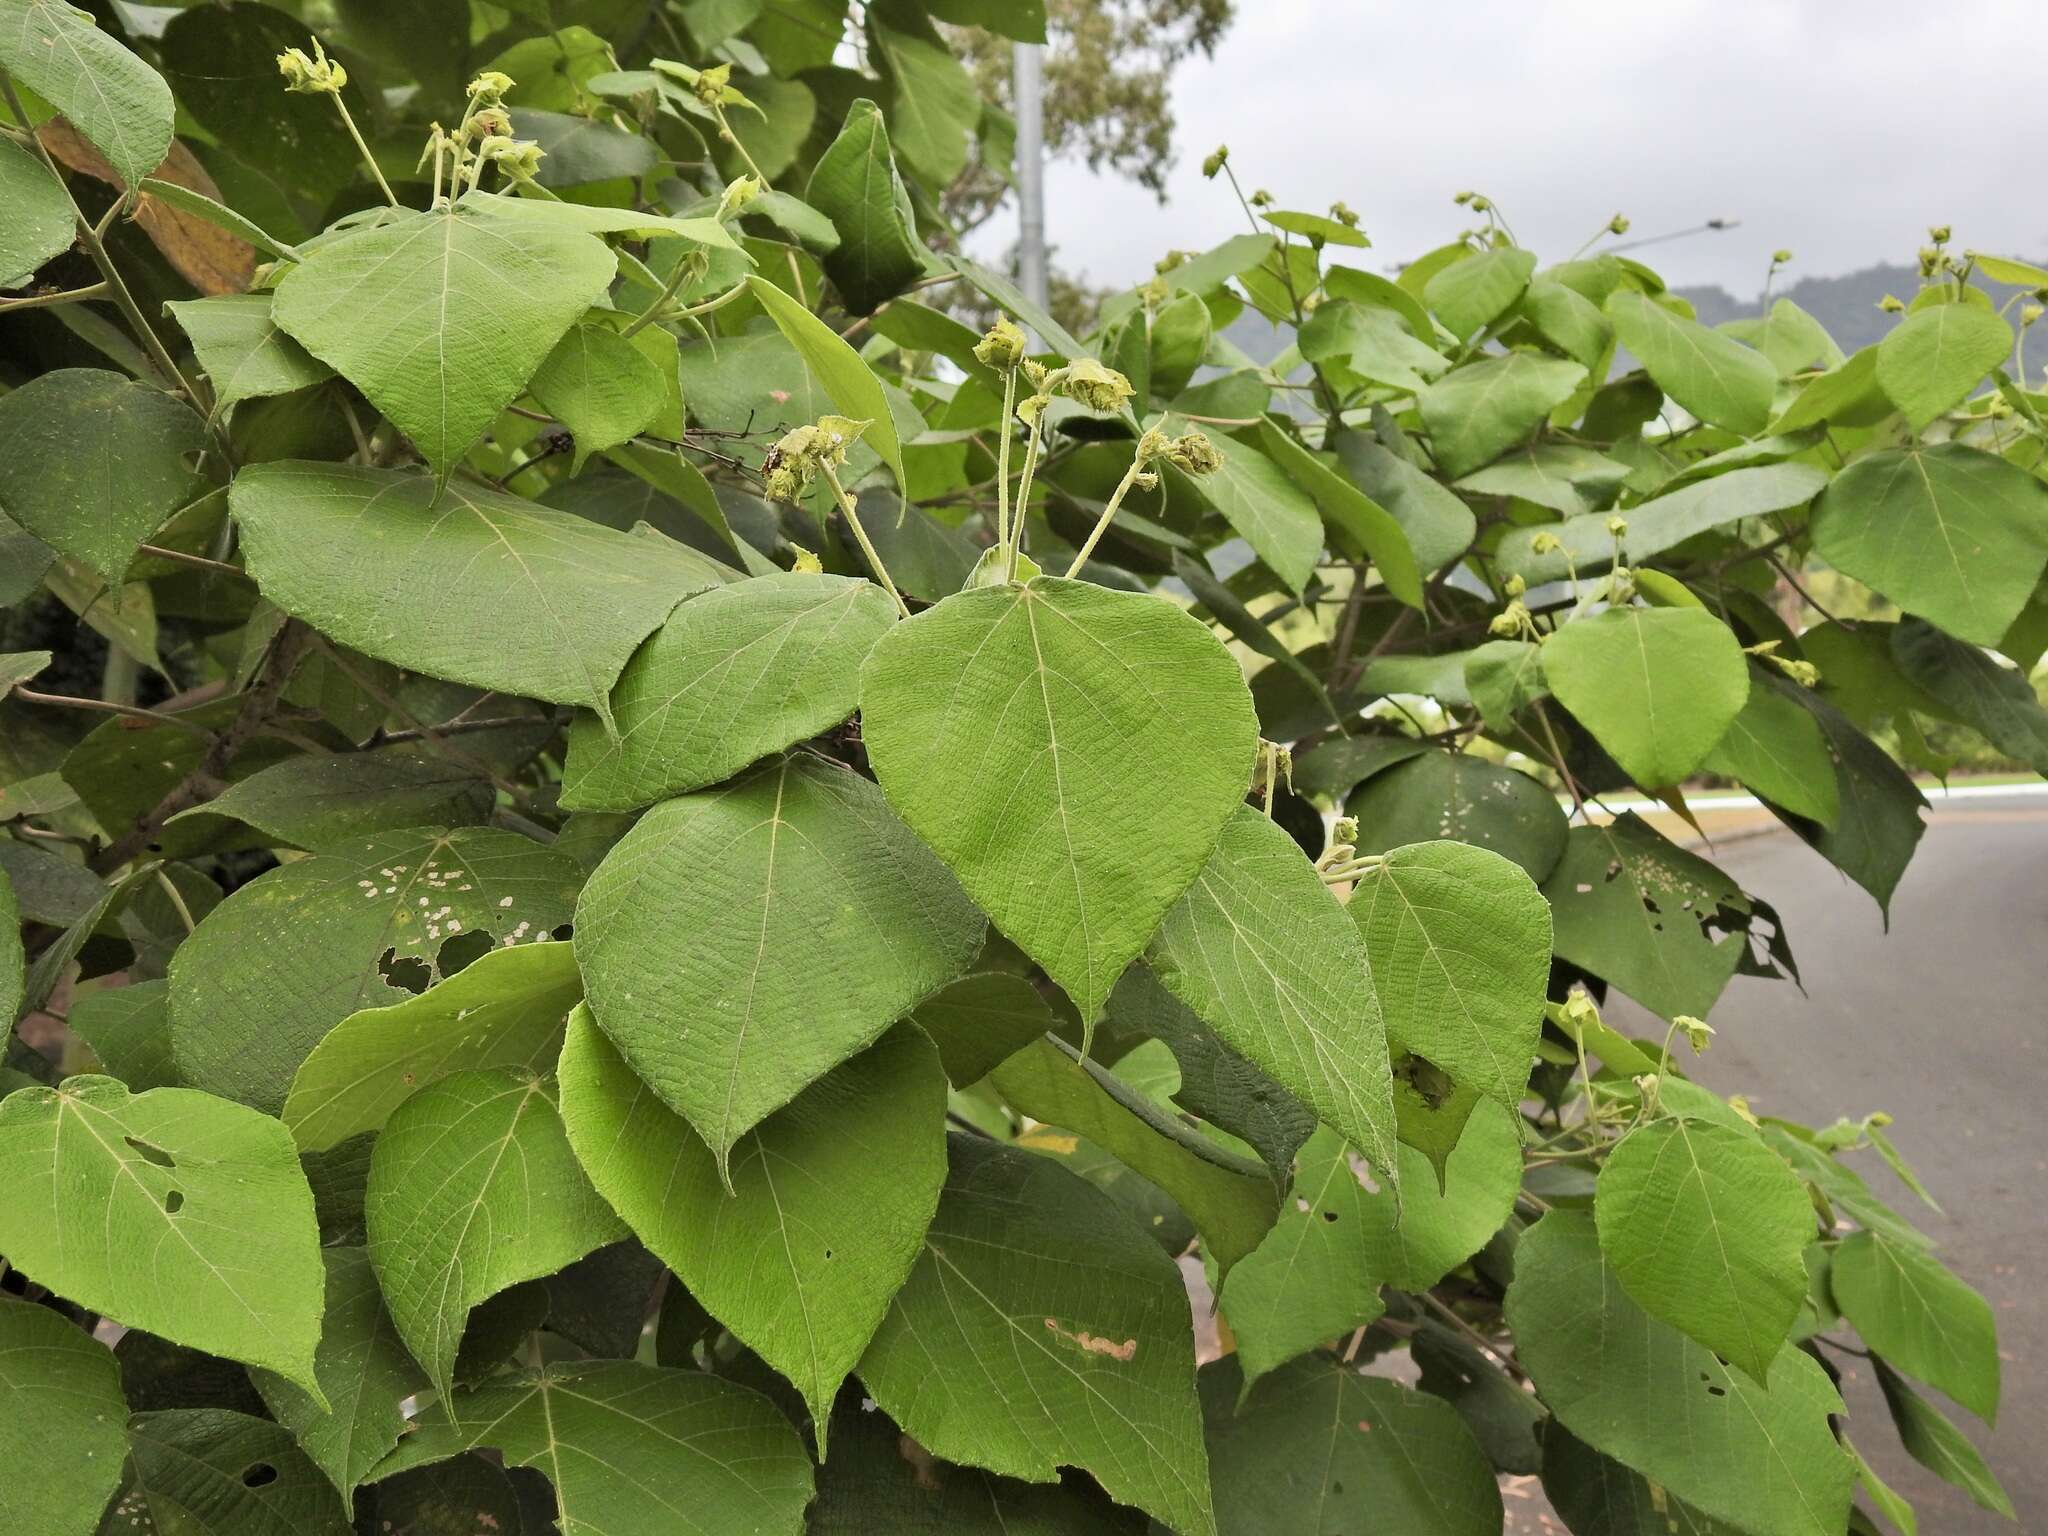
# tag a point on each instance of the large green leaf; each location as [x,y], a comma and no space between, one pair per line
[1343,1233]
[831,1197]
[171,1211]
[473,1189]
[1949,532]
[244,353]
[815,920]
[40,222]
[199,1472]
[1775,747]
[318,800]
[364,1373]
[1369,527]
[1263,953]
[1936,356]
[1596,1495]
[441,318]
[1439,526]
[1564,476]
[1458,942]
[631,1450]
[1639,911]
[1919,1316]
[1938,1445]
[1641,1392]
[1229,1198]
[1269,510]
[601,387]
[110,96]
[1015,728]
[1706,1228]
[981,1019]
[854,389]
[1465,798]
[1716,378]
[1878,818]
[95,462]
[295,951]
[933,100]
[740,672]
[1476,413]
[1467,295]
[479,588]
[504,1009]
[1040,1328]
[1993,699]
[61,1412]
[1320,1449]
[1657,687]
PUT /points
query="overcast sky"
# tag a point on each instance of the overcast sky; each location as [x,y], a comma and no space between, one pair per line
[1838,128]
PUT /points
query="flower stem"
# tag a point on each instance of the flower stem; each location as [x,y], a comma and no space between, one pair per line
[363,149]
[860,534]
[1102,523]
[1003,459]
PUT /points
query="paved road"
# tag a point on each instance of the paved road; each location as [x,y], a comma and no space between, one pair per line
[1939,1022]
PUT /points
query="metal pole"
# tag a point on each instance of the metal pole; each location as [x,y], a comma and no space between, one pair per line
[1029,91]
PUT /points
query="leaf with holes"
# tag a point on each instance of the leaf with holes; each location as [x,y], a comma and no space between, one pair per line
[1463,798]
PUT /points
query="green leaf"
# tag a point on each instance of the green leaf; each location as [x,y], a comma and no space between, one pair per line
[1318,229]
[1570,322]
[129,1030]
[1775,748]
[817,922]
[40,223]
[599,386]
[1586,545]
[1878,822]
[1270,511]
[855,185]
[317,801]
[1932,360]
[1910,1309]
[1706,1229]
[1598,1496]
[200,206]
[296,951]
[1638,1390]
[1502,676]
[557,217]
[1642,913]
[854,389]
[743,671]
[110,96]
[1475,413]
[1230,1199]
[171,1211]
[831,1197]
[1895,1509]
[1938,1445]
[1343,1233]
[1717,379]
[1847,395]
[545,604]
[441,318]
[933,101]
[1951,533]
[1107,1380]
[364,1373]
[1458,940]
[196,1472]
[1563,476]
[504,1009]
[981,1019]
[13,968]
[1317,1445]
[1466,799]
[1368,526]
[1372,290]
[243,352]
[1470,294]
[631,1450]
[62,1412]
[1439,526]
[1335,767]
[473,1189]
[1996,701]
[1657,687]
[1014,728]
[95,462]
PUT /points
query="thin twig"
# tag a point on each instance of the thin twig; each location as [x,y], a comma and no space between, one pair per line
[108,707]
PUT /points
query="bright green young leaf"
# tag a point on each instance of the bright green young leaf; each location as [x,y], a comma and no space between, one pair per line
[1939,1446]
[631,1450]
[1477,412]
[1913,1311]
[1320,1447]
[364,1373]
[195,1471]
[40,223]
[1230,1199]
[95,462]
[473,1189]
[1657,687]
[504,1009]
[855,185]
[1439,526]
[171,1211]
[1458,943]
[243,352]
[1369,527]
[816,920]
[600,387]
[1272,513]
[1951,533]
[831,1197]
[112,97]
[743,671]
[296,951]
[1466,799]
[479,587]
[1469,295]
[981,1019]
[1932,359]
[1775,748]
[1041,1329]
[316,802]
[62,1413]
[1014,728]
[1636,909]
[1641,1392]
[1706,1228]
[1263,954]
[441,318]
[854,389]
[1717,379]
